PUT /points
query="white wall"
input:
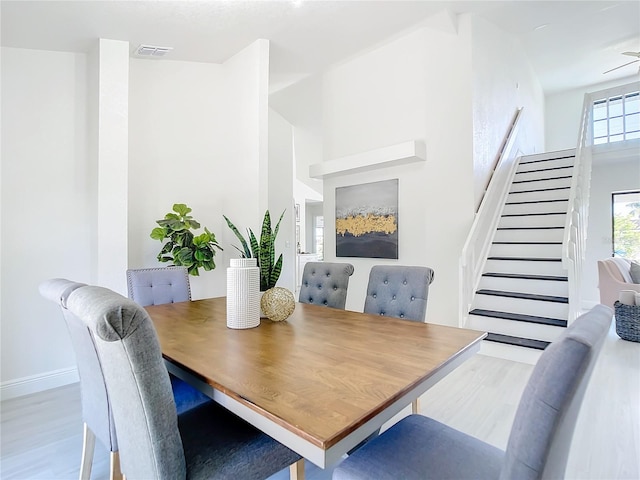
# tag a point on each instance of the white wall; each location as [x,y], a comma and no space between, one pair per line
[417,87]
[46,214]
[195,139]
[606,178]
[563,111]
[503,81]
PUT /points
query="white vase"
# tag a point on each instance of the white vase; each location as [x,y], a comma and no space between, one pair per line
[243,293]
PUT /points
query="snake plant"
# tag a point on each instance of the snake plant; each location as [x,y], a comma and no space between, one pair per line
[262,250]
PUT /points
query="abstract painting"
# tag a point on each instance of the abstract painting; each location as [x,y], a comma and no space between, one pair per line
[367,220]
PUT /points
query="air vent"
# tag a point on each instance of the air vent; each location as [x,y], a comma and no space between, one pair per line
[151,51]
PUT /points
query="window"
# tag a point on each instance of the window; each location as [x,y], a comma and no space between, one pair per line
[318,235]
[616,118]
[626,224]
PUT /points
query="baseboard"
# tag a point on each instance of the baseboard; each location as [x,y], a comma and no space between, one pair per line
[38,383]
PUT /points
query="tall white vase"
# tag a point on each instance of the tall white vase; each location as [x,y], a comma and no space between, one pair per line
[243,289]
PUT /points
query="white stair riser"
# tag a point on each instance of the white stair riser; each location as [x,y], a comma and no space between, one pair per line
[528,167]
[547,207]
[525,267]
[545,235]
[529,356]
[523,306]
[555,220]
[537,196]
[530,250]
[541,184]
[537,287]
[534,331]
[535,175]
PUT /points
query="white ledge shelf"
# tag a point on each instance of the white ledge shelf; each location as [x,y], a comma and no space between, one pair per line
[399,154]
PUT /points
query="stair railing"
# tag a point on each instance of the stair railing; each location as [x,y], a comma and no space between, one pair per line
[575,229]
[476,247]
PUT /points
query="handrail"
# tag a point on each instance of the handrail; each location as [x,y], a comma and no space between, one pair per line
[575,229]
[476,247]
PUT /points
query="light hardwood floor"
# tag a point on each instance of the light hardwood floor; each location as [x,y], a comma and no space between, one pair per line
[41,434]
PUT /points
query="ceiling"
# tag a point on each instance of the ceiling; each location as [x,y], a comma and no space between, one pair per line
[569,43]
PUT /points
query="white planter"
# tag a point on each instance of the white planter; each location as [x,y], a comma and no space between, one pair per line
[243,293]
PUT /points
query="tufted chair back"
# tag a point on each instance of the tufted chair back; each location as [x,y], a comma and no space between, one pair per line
[325,283]
[398,291]
[157,286]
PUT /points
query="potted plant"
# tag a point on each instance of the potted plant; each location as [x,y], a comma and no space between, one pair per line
[262,250]
[183,248]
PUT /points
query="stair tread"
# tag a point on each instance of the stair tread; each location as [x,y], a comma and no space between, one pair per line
[529,228]
[564,177]
[532,214]
[546,160]
[551,278]
[526,259]
[540,190]
[517,341]
[545,169]
[524,296]
[526,243]
[538,201]
[519,317]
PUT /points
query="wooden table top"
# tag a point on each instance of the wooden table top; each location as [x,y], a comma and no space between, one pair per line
[320,374]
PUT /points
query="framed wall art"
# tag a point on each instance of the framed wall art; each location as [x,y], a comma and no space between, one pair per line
[367,220]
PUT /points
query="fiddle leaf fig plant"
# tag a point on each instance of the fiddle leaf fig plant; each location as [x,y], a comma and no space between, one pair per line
[263,250]
[182,247]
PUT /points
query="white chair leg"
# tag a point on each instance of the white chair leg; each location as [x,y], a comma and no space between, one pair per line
[415,406]
[88,446]
[115,472]
[296,470]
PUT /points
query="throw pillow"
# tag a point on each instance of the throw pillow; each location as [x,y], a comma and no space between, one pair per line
[635,272]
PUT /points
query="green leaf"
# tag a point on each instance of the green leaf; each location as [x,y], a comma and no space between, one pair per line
[181,209]
[158,233]
[246,252]
[166,248]
[184,256]
[275,273]
[255,248]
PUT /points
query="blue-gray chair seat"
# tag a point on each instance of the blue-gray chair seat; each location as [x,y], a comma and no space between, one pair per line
[157,286]
[398,291]
[325,284]
[538,447]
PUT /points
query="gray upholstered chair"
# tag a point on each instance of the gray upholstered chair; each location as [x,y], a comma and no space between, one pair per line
[96,412]
[157,286]
[398,291]
[205,442]
[325,283]
[419,447]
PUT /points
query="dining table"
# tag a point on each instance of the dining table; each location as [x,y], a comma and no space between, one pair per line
[320,382]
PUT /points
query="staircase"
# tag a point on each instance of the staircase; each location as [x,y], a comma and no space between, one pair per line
[522,298]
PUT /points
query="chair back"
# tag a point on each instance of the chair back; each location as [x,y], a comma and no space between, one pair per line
[398,291]
[96,410]
[157,286]
[325,283]
[540,438]
[137,381]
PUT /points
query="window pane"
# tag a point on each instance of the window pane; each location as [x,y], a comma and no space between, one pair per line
[616,126]
[632,103]
[616,138]
[626,224]
[599,109]
[599,141]
[632,135]
[615,106]
[632,122]
[600,128]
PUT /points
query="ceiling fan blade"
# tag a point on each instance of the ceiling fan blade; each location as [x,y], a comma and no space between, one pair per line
[633,54]
[633,61]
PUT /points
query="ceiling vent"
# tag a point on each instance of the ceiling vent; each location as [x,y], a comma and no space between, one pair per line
[151,51]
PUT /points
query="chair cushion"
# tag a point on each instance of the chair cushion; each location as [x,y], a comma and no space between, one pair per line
[420,448]
[325,284]
[218,444]
[186,396]
[634,271]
